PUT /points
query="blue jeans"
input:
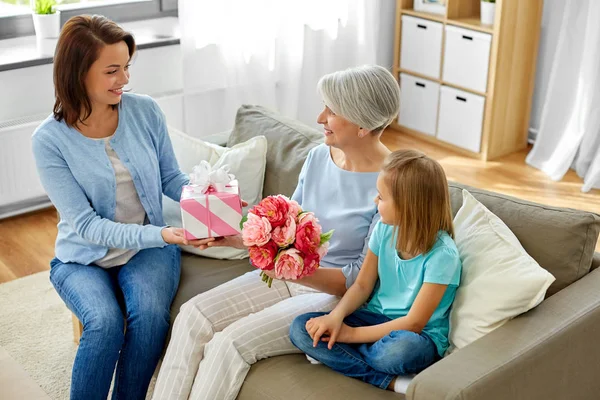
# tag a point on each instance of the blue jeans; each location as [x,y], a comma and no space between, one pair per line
[141,292]
[399,353]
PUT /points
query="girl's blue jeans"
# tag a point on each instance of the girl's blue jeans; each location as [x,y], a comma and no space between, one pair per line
[398,353]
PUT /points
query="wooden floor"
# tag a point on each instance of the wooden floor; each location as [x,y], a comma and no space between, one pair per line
[27,244]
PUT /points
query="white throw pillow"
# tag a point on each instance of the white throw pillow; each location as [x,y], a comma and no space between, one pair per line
[499,279]
[247,161]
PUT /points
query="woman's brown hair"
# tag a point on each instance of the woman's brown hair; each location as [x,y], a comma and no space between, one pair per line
[81,39]
[419,188]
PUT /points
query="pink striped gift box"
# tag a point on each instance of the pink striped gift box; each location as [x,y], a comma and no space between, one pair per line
[211,214]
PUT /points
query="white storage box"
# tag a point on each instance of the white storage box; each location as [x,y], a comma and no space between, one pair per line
[466,58]
[461,118]
[421,48]
[418,104]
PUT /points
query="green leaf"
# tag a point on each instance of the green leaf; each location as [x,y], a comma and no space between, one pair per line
[244,219]
[325,237]
[44,6]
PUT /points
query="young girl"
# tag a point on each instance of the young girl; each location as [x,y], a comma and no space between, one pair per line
[412,270]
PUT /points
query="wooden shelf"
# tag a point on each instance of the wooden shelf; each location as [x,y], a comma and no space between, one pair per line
[425,15]
[512,61]
[473,23]
[463,88]
[432,139]
[441,82]
[429,78]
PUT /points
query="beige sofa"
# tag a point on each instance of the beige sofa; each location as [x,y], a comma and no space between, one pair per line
[551,352]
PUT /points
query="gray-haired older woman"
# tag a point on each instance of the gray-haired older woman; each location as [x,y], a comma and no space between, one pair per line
[220,333]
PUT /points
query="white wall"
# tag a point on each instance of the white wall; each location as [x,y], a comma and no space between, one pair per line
[155,71]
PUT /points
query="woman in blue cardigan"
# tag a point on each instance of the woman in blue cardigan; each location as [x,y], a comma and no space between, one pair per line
[105,159]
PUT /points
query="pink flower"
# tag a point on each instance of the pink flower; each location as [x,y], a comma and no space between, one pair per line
[294,207]
[308,233]
[289,264]
[322,250]
[311,263]
[256,231]
[274,208]
[285,235]
[263,257]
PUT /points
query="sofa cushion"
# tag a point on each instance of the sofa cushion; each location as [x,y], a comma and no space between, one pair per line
[199,274]
[292,377]
[288,144]
[561,240]
[496,270]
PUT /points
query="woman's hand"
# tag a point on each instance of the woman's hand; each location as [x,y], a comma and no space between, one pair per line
[173,235]
[227,241]
[330,325]
[176,236]
[271,274]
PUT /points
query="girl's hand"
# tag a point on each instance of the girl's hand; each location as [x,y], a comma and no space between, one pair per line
[329,325]
[346,335]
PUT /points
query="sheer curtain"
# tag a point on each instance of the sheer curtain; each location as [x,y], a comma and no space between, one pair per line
[273,52]
[569,128]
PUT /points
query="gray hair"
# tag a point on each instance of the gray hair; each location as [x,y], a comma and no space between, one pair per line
[368,96]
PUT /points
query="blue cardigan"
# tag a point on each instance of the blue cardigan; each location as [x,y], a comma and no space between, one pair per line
[80,181]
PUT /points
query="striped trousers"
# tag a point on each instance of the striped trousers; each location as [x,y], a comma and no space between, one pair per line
[220,333]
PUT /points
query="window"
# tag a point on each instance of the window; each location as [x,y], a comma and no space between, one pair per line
[9,8]
[16,21]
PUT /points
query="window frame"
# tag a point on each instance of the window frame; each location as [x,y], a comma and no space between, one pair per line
[22,25]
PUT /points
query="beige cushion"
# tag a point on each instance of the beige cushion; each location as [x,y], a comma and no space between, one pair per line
[561,240]
[292,377]
[499,279]
[288,141]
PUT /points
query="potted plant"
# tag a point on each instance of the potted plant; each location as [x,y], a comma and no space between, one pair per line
[46,19]
[488,10]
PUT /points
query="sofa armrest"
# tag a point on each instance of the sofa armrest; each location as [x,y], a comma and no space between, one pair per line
[550,352]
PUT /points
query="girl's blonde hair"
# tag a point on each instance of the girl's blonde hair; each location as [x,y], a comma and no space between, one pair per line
[419,189]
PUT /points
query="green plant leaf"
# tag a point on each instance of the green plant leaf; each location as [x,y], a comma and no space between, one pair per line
[45,7]
[244,219]
[325,237]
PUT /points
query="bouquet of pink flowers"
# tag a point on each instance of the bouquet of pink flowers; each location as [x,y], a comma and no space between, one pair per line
[281,236]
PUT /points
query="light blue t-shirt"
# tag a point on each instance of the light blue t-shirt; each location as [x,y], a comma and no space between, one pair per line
[341,200]
[400,280]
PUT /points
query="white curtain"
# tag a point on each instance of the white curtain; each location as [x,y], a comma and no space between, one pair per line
[272,53]
[569,126]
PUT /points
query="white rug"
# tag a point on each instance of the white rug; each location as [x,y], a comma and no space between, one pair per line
[36,330]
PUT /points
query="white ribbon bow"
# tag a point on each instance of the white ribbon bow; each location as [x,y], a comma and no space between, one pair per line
[204,177]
